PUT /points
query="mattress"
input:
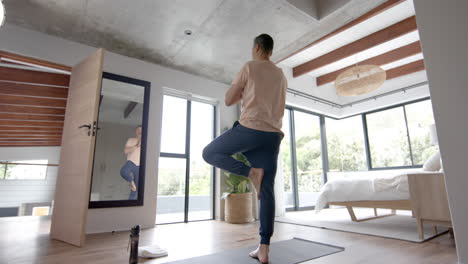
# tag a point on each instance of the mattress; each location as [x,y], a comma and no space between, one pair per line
[364,188]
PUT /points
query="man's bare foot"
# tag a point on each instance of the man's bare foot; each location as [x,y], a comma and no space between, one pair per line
[261,253]
[133,186]
[256,176]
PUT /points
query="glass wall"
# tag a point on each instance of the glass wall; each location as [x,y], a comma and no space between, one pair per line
[399,136]
[308,157]
[345,141]
[185,181]
[420,117]
[388,138]
[285,160]
[301,159]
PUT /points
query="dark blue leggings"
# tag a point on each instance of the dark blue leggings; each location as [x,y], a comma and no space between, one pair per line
[130,172]
[261,150]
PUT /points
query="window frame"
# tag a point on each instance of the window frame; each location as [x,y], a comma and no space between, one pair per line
[324,145]
[186,156]
[6,163]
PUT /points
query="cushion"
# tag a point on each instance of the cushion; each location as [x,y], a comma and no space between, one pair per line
[433,163]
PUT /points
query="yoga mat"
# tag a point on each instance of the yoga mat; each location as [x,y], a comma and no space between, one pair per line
[290,251]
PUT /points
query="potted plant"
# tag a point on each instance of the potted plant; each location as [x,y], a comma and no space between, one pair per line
[238,198]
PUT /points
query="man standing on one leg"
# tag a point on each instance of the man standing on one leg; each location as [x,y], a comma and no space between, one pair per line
[261,86]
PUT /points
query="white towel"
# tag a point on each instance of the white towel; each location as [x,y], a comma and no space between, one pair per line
[151,252]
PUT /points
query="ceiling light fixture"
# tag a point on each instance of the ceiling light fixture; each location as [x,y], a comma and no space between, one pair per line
[2,13]
[188,32]
[359,80]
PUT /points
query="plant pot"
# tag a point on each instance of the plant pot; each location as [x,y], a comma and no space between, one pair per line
[238,208]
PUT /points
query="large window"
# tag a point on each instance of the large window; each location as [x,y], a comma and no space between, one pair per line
[301,159]
[345,141]
[285,161]
[185,182]
[308,157]
[420,117]
[400,137]
[23,170]
[388,138]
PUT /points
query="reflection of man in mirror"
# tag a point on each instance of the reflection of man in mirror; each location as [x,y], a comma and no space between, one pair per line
[130,171]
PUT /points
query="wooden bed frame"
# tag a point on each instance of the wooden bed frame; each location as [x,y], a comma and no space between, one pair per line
[393,205]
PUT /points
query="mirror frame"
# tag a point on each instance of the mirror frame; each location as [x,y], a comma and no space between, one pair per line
[141,184]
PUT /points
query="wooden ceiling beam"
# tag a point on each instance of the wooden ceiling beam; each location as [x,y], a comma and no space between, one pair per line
[379,9]
[32,101]
[15,123]
[10,116]
[34,61]
[36,77]
[406,69]
[394,31]
[385,58]
[20,109]
[11,88]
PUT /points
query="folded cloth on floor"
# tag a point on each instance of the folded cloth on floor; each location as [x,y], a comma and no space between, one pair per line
[151,252]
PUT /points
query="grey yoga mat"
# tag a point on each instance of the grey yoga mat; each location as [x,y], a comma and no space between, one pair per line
[290,251]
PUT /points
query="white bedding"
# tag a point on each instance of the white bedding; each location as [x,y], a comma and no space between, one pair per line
[364,188]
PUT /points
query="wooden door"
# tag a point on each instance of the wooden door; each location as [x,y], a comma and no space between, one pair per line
[76,156]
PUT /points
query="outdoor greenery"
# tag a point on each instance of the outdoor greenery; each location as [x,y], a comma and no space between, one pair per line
[389,147]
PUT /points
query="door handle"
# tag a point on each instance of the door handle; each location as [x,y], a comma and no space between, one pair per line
[88,127]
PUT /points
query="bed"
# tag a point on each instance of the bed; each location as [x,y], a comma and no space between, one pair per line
[386,192]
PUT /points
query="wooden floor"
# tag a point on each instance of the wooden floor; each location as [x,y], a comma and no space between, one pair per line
[25,240]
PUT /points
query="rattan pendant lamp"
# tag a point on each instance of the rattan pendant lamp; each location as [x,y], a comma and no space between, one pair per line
[360,79]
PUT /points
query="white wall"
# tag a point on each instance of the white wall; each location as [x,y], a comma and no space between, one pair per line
[443,29]
[35,44]
[15,192]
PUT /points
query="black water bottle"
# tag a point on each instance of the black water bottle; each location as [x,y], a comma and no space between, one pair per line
[134,237]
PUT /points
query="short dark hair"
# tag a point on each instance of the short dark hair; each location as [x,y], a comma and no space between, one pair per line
[265,42]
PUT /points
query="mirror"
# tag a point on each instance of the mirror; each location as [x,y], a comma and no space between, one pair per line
[119,154]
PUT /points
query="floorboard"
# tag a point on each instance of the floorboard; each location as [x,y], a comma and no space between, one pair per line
[25,240]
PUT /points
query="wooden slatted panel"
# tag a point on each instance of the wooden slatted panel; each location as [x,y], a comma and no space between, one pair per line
[32,101]
[19,136]
[35,77]
[30,123]
[31,144]
[27,133]
[28,139]
[31,117]
[29,128]
[31,110]
[34,61]
[12,88]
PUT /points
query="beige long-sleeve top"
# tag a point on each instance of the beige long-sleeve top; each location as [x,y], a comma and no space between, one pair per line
[261,86]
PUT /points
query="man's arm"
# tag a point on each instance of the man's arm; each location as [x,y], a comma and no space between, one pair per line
[131,145]
[234,93]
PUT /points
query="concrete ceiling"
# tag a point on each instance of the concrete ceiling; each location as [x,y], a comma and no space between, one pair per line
[154,30]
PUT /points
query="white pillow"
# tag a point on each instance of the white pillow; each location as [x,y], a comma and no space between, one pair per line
[433,163]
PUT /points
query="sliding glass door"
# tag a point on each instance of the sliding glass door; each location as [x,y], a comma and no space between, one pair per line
[308,157]
[301,159]
[185,181]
